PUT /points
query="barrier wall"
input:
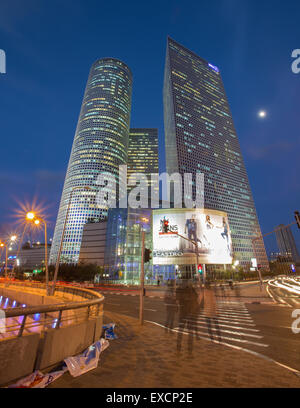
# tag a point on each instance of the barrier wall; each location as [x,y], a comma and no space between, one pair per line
[17,357]
[20,356]
[69,341]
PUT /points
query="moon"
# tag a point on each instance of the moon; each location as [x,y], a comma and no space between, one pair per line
[262,114]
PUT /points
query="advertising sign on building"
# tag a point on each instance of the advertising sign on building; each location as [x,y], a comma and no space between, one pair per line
[174,229]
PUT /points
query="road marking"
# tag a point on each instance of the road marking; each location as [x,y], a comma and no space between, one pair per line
[237,333]
[227,325]
[227,315]
[216,341]
[248,322]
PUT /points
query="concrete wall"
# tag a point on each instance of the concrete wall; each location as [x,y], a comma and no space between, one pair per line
[17,357]
[68,341]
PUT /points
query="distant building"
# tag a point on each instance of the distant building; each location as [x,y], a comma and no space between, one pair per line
[93,243]
[31,258]
[121,236]
[286,243]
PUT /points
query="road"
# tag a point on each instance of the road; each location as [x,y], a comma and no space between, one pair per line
[258,325]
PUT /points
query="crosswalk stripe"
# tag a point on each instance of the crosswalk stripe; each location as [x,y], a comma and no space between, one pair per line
[227,325]
[226,316]
[233,310]
[235,316]
[233,319]
[222,337]
[237,333]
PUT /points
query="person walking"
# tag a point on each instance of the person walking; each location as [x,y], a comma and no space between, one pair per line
[210,312]
[171,308]
[186,298]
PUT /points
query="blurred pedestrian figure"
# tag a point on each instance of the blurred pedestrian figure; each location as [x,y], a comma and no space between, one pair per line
[171,307]
[158,282]
[237,291]
[210,311]
[222,289]
[187,300]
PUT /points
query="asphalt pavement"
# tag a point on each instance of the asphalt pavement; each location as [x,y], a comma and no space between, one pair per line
[247,317]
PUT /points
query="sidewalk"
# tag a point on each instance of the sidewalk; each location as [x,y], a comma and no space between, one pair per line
[144,357]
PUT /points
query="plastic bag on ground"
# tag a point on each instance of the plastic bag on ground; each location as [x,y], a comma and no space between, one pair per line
[88,360]
[109,331]
[39,380]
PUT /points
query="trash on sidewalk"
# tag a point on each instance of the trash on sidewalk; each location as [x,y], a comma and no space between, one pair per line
[88,360]
[39,380]
[109,331]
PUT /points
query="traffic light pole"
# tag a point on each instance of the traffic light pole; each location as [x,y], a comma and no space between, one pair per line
[142,281]
[197,257]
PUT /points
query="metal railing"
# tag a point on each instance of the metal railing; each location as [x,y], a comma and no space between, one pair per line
[74,290]
[92,307]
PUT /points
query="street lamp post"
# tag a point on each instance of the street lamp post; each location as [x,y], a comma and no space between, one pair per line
[142,278]
[3,244]
[19,248]
[142,275]
[37,220]
[63,234]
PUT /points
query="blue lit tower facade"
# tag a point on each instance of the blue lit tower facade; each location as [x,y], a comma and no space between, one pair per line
[100,145]
[200,137]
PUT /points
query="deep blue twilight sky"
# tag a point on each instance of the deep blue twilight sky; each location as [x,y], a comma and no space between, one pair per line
[50,46]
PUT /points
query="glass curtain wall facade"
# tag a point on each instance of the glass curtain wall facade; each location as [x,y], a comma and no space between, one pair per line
[124,244]
[143,153]
[200,137]
[100,145]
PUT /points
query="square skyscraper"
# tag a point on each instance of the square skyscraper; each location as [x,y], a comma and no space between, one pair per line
[143,155]
[200,137]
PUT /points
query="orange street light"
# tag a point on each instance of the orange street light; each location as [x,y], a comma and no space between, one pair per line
[30,216]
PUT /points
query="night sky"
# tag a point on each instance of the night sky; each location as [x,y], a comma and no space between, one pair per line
[50,46]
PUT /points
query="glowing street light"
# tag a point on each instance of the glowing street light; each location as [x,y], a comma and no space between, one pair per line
[30,216]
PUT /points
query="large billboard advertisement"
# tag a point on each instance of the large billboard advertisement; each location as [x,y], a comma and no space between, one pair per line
[174,229]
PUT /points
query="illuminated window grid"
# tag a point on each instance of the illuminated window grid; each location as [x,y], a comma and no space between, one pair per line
[100,144]
[201,137]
